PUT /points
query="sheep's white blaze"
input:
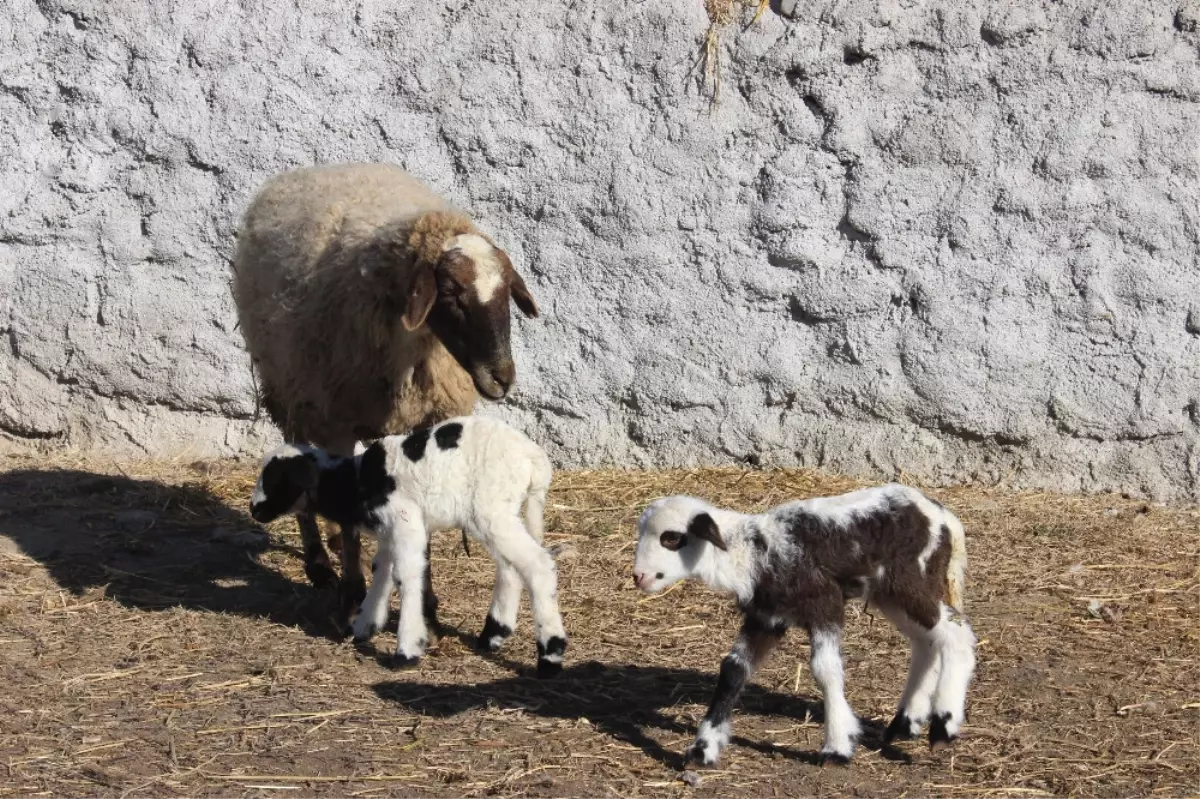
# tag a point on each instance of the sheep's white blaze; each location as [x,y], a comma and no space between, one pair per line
[489,273]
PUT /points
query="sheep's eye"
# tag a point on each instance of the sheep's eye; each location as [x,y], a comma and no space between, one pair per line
[672,540]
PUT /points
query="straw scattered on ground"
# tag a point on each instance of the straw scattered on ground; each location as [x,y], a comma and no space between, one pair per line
[153,642]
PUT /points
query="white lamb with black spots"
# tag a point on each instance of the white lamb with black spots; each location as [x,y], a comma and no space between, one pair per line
[796,566]
[470,472]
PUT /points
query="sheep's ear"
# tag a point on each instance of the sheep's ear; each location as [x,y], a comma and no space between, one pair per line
[302,471]
[703,526]
[420,298]
[522,297]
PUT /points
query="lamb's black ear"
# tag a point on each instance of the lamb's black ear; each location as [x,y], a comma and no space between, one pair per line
[703,526]
[302,471]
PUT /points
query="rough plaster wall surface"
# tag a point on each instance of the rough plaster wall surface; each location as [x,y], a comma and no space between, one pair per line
[949,240]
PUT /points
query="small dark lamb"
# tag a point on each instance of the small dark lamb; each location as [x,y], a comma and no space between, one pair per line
[795,566]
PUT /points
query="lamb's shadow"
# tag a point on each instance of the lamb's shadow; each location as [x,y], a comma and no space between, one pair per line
[622,701]
[152,545]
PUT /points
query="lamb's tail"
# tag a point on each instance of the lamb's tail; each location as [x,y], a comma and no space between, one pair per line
[956,571]
[535,502]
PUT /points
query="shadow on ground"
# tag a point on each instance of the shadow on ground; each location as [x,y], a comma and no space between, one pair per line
[622,701]
[152,545]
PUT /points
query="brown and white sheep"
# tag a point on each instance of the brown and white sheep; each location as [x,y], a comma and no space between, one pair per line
[369,307]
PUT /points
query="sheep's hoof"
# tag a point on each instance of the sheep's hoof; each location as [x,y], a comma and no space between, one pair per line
[493,635]
[321,575]
[900,728]
[834,758]
[939,737]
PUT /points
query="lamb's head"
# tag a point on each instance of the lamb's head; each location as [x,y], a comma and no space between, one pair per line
[289,472]
[464,297]
[675,535]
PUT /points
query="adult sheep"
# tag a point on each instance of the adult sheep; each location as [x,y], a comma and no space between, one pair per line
[369,307]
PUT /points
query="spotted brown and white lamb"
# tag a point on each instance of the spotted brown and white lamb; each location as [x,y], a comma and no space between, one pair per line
[796,566]
[470,472]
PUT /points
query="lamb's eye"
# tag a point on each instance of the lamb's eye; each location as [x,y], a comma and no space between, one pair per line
[672,540]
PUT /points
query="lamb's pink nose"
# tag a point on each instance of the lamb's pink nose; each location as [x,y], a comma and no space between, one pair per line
[638,577]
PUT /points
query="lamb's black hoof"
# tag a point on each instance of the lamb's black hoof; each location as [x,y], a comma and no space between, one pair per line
[493,635]
[550,656]
[900,728]
[321,575]
[834,759]
[694,755]
[939,736]
[549,668]
[400,662]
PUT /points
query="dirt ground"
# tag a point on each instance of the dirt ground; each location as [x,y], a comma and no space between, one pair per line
[152,643]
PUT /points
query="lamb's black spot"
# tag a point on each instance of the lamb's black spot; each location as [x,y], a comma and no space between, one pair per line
[414,445]
[658,576]
[447,435]
[759,541]
[939,736]
[337,494]
[493,635]
[375,484]
[901,727]
[281,489]
[945,533]
[839,561]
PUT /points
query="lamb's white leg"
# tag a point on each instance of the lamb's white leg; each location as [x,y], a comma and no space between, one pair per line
[923,670]
[373,613]
[512,542]
[955,641]
[841,725]
[502,615]
[410,545]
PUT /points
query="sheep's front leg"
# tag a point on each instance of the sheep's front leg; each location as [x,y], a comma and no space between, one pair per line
[841,725]
[755,641]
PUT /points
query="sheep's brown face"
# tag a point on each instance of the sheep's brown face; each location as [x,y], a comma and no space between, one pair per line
[475,281]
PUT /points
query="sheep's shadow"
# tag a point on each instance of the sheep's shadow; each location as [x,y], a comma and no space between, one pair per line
[152,545]
[622,701]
